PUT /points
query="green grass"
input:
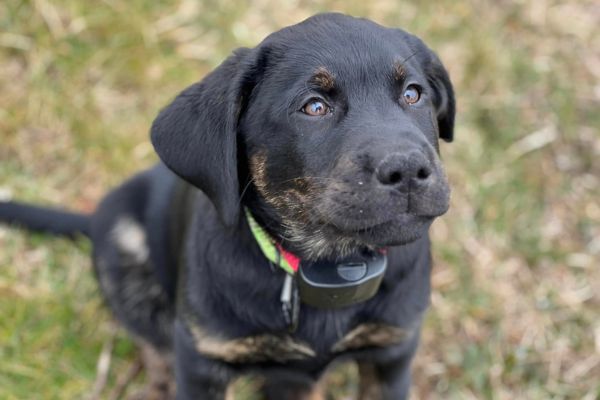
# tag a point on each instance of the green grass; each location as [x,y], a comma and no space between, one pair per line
[515,303]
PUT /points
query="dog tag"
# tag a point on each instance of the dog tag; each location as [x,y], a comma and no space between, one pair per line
[333,284]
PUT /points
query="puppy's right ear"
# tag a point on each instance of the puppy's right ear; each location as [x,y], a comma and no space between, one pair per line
[195,136]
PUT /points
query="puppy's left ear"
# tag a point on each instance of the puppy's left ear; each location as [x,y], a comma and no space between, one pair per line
[443,98]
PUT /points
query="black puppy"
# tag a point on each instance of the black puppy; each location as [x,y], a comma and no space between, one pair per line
[326,136]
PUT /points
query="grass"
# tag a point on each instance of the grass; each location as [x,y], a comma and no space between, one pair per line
[515,304]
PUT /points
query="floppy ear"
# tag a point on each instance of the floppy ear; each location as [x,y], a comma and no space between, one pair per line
[443,99]
[195,136]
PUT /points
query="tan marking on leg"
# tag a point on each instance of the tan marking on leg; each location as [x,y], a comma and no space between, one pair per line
[259,348]
[371,334]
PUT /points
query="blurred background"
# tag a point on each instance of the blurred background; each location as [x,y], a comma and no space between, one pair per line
[515,308]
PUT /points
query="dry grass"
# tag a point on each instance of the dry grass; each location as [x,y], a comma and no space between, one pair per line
[515,310]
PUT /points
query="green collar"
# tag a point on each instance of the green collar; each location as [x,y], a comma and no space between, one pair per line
[271,249]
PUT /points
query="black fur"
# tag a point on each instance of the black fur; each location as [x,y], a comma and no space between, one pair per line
[44,219]
[367,174]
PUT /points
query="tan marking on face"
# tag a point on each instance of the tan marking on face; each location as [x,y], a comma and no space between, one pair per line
[323,78]
[399,71]
[372,334]
[258,168]
[258,348]
[294,205]
[290,201]
[304,185]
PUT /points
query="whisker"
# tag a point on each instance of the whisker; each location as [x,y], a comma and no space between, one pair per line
[244,191]
[414,53]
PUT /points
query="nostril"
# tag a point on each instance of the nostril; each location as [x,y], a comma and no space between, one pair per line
[423,173]
[394,177]
[405,170]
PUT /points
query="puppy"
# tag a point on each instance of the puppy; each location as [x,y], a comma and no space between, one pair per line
[321,142]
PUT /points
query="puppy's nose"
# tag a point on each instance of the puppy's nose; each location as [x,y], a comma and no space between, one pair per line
[405,171]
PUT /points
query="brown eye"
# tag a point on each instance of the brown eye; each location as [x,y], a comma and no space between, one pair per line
[315,108]
[412,94]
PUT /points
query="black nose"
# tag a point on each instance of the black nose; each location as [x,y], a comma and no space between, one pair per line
[405,171]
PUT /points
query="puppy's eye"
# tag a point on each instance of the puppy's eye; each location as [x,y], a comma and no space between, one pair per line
[316,108]
[412,94]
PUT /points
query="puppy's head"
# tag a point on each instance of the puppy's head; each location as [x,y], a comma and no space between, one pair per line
[331,125]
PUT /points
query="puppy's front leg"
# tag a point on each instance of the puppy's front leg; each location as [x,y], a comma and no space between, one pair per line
[198,377]
[377,384]
[389,379]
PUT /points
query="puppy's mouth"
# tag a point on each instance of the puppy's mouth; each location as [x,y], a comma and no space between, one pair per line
[369,228]
[334,221]
[403,228]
